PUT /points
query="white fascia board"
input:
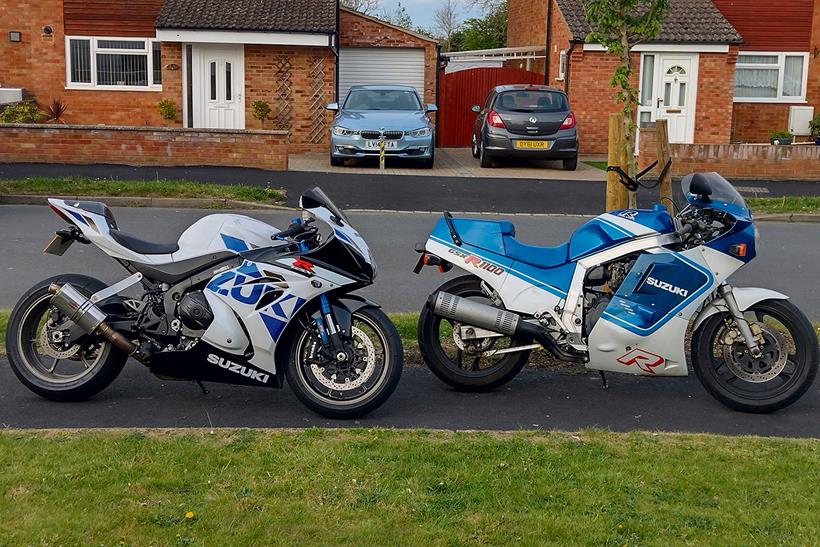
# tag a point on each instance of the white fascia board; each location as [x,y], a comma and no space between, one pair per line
[669,48]
[239,37]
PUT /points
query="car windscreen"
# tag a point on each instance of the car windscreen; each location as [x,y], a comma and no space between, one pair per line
[531,101]
[382,99]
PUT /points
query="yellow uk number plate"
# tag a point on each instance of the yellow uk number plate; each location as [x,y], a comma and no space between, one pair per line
[533,145]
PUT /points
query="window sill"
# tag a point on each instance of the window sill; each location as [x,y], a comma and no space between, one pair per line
[152,89]
[771,101]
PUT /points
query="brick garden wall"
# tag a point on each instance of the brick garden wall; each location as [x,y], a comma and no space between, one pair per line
[143,146]
[743,161]
[752,122]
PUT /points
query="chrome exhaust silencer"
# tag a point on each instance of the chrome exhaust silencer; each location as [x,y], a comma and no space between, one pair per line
[474,313]
[86,315]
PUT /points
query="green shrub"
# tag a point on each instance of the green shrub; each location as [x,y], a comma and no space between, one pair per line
[261,110]
[780,135]
[814,126]
[21,113]
[167,109]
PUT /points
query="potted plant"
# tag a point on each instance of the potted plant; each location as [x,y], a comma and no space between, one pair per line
[167,109]
[781,137]
[261,110]
[55,111]
[814,128]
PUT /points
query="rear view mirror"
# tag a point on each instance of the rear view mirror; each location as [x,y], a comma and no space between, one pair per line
[476,108]
[332,106]
[432,108]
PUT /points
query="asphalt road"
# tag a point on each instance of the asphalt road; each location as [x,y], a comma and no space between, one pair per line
[536,399]
[788,258]
[406,193]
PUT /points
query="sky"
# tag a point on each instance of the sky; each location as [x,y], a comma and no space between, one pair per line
[422,10]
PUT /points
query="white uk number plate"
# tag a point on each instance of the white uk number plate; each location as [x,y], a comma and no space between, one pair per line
[374,145]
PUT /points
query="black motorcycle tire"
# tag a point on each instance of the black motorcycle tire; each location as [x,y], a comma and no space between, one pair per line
[103,373]
[806,362]
[441,365]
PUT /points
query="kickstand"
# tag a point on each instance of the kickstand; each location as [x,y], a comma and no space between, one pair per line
[603,377]
[205,391]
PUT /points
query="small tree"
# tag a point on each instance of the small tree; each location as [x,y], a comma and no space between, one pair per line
[261,110]
[398,16]
[167,110]
[362,6]
[446,22]
[619,25]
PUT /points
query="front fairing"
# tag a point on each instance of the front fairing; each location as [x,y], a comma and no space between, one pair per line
[724,196]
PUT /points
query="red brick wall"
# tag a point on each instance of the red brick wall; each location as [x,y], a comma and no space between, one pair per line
[713,114]
[358,31]
[143,146]
[262,81]
[37,64]
[813,85]
[526,26]
[752,122]
[743,161]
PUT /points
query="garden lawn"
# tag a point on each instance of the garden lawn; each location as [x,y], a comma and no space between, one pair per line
[786,204]
[83,186]
[387,487]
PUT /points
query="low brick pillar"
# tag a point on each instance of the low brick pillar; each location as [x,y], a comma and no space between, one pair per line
[741,161]
[155,146]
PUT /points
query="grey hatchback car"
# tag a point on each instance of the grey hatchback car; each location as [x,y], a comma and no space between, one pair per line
[527,121]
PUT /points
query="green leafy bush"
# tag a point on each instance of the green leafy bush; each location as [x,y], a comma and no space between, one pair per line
[780,135]
[167,109]
[21,113]
[814,126]
[261,110]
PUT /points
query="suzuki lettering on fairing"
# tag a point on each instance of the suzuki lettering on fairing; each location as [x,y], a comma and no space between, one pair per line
[239,369]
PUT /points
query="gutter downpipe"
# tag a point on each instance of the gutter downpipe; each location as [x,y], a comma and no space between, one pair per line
[549,39]
[572,44]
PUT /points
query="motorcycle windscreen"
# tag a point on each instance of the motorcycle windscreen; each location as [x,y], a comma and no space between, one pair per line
[657,287]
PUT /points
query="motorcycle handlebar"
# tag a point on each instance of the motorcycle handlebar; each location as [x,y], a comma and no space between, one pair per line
[294,229]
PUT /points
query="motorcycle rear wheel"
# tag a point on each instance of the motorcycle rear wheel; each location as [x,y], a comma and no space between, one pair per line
[52,371]
[774,381]
[441,352]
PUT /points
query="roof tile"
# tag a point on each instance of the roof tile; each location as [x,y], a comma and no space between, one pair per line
[250,15]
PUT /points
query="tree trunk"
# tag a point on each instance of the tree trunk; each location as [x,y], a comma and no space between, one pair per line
[629,125]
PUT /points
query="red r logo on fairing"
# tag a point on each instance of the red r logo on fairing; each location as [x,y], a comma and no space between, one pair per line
[644,360]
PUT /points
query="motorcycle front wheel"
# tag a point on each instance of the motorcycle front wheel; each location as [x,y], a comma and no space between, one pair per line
[357,384]
[779,377]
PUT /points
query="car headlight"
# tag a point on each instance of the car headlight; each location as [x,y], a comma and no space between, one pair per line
[340,131]
[423,132]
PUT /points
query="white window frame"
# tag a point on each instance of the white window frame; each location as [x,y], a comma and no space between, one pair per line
[148,51]
[781,67]
[562,65]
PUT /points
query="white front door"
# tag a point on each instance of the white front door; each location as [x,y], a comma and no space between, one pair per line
[218,86]
[669,91]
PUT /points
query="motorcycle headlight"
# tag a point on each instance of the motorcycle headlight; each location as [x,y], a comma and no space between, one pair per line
[422,132]
[340,131]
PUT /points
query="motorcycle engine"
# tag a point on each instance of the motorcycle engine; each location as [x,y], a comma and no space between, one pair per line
[194,311]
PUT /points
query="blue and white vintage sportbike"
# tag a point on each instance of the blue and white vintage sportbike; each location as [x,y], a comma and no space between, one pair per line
[234,301]
[620,296]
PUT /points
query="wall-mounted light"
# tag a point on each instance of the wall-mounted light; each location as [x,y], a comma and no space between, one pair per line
[48,31]
[15,36]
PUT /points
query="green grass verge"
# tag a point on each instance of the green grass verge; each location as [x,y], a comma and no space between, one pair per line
[382,487]
[4,322]
[597,164]
[787,204]
[83,186]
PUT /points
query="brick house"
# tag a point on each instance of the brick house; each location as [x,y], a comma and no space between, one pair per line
[111,62]
[720,71]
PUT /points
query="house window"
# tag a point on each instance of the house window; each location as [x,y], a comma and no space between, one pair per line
[113,63]
[562,65]
[771,77]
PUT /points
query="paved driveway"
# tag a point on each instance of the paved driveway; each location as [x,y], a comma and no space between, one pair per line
[450,162]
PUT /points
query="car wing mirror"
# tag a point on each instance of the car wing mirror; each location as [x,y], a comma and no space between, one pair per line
[432,108]
[332,106]
[476,108]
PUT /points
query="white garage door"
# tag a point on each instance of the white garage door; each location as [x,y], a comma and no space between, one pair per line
[380,65]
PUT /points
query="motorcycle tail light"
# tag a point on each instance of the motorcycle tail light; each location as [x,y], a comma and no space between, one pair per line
[494,119]
[60,214]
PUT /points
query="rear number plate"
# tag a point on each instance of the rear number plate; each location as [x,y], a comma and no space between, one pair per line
[530,145]
[374,145]
[58,246]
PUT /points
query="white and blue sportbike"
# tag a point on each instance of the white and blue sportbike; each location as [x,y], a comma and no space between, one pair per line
[234,301]
[620,296]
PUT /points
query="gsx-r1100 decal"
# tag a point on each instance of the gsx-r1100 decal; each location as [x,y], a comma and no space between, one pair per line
[619,296]
[234,300]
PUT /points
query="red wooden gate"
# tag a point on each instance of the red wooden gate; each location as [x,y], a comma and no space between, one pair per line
[459,91]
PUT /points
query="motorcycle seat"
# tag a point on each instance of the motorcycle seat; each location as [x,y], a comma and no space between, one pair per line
[540,257]
[133,243]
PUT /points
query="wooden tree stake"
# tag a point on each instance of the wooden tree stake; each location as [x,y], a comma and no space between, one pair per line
[664,155]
